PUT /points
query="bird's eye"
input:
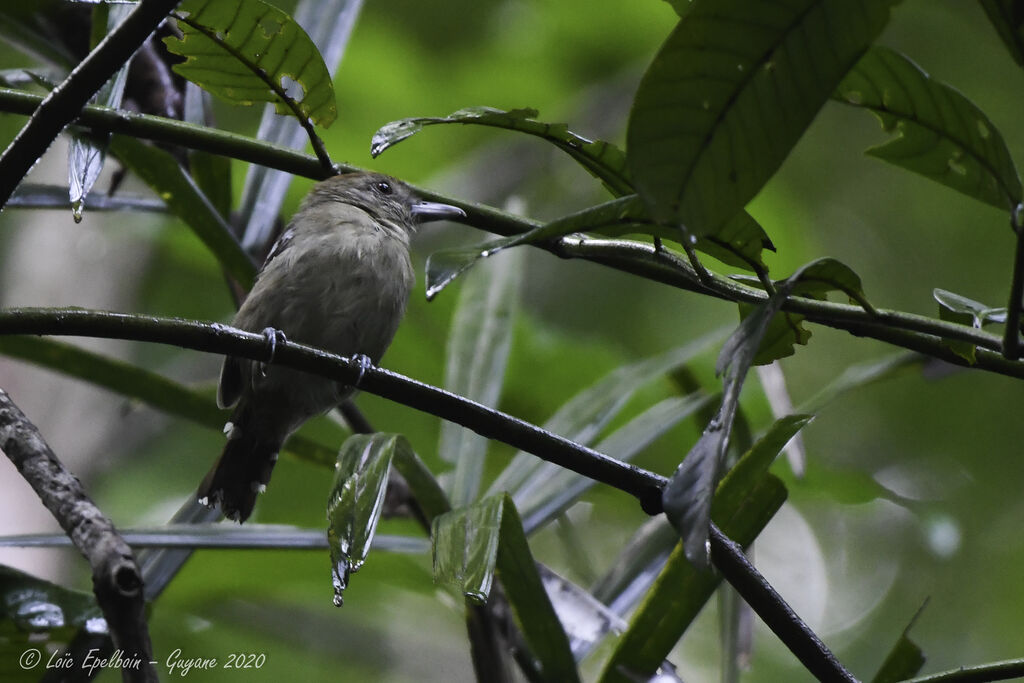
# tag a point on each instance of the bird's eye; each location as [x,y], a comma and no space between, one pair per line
[384,188]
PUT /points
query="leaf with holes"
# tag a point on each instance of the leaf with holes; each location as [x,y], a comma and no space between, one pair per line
[940,134]
[603,160]
[728,95]
[247,51]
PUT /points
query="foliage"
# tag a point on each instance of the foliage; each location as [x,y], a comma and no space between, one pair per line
[732,160]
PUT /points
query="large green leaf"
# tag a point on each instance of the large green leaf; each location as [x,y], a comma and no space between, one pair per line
[246,51]
[603,160]
[356,501]
[478,347]
[940,134]
[728,95]
[161,172]
[470,544]
[357,497]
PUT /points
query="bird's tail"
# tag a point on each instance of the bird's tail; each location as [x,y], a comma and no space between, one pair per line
[243,469]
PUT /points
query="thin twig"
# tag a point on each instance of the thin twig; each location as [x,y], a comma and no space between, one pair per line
[628,256]
[117,581]
[982,673]
[63,103]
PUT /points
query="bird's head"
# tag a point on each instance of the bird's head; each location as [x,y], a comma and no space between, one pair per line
[389,201]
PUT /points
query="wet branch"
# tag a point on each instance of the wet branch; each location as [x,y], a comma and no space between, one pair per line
[644,485]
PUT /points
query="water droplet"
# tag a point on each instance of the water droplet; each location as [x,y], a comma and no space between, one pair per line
[769,66]
[955,166]
[739,67]
[76,210]
[706,104]
[854,96]
[887,98]
[96,625]
[983,130]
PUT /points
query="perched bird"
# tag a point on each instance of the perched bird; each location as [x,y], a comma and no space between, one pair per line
[338,278]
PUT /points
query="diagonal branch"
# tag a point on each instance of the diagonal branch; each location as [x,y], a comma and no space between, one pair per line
[116,579]
[64,102]
[644,485]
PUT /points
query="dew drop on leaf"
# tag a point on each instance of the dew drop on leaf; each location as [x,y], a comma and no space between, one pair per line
[983,130]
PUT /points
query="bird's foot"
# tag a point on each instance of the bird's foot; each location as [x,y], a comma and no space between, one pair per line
[364,363]
[273,336]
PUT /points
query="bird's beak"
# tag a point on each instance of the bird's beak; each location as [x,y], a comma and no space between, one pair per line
[433,211]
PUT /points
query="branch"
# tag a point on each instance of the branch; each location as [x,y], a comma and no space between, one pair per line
[221,339]
[915,332]
[62,105]
[728,557]
[115,575]
[995,671]
[216,338]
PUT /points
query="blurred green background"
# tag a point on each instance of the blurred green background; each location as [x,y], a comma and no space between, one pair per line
[856,569]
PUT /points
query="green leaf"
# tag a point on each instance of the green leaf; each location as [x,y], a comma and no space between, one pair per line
[940,134]
[40,613]
[1007,16]
[356,501]
[583,417]
[446,265]
[738,243]
[246,51]
[161,172]
[784,331]
[681,589]
[687,497]
[859,375]
[971,312]
[830,275]
[905,658]
[603,160]
[87,152]
[813,280]
[478,347]
[959,309]
[728,95]
[550,490]
[149,387]
[470,544]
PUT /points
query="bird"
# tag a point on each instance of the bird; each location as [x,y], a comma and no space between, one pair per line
[338,278]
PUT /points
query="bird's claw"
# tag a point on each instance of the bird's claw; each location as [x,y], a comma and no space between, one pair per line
[364,363]
[273,337]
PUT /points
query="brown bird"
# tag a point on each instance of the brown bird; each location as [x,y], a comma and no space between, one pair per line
[338,278]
